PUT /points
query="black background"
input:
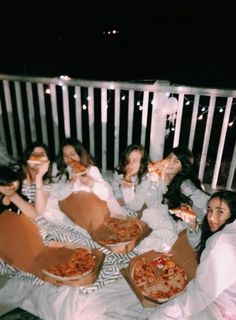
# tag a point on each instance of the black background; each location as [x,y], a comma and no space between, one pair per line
[183,42]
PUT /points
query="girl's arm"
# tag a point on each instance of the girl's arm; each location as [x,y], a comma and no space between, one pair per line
[42,191]
[26,208]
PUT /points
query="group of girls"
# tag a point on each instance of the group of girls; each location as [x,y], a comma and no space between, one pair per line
[133,189]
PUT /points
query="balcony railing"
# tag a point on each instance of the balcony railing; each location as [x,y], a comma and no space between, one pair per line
[107,116]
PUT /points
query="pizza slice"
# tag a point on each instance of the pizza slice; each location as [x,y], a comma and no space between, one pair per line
[36,158]
[184,209]
[78,167]
[158,167]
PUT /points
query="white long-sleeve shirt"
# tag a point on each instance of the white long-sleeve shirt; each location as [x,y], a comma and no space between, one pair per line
[215,280]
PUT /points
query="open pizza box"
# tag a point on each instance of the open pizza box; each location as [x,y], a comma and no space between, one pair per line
[183,255]
[91,213]
[22,247]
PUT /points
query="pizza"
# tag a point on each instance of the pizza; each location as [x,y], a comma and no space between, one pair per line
[160,279]
[184,209]
[36,159]
[77,166]
[158,166]
[80,263]
[123,230]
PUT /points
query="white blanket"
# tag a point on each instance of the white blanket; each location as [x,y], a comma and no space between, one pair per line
[110,297]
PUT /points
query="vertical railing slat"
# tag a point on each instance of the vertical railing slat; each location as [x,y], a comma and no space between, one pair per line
[10,116]
[91,120]
[130,116]
[42,108]
[231,170]
[78,113]
[117,125]
[193,121]
[30,101]
[178,120]
[19,107]
[104,128]
[144,116]
[53,98]
[207,137]
[221,143]
[66,110]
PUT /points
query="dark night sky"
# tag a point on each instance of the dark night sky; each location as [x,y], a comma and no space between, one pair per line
[185,45]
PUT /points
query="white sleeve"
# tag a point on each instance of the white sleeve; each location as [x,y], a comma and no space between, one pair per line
[212,278]
[101,187]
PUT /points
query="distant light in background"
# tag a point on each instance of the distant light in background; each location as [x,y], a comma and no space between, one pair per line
[111,32]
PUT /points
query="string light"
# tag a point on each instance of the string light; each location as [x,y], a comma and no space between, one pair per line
[204,110]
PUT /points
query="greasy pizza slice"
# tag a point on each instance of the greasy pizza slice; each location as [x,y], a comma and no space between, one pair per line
[160,279]
[158,166]
[77,166]
[80,263]
[184,209]
[36,158]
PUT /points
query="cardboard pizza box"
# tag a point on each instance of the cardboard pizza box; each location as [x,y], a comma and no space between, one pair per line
[22,247]
[123,247]
[183,255]
[90,212]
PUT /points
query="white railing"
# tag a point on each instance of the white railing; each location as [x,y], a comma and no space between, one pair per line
[107,116]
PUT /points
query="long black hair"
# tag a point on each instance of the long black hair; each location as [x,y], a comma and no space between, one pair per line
[227,196]
[9,174]
[124,160]
[174,197]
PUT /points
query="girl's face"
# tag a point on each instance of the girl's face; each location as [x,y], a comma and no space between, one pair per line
[69,153]
[217,213]
[134,162]
[38,151]
[173,166]
[10,189]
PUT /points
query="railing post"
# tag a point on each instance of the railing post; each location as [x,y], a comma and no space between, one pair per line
[158,124]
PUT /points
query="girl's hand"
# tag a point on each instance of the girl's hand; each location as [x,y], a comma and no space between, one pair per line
[42,168]
[85,179]
[191,221]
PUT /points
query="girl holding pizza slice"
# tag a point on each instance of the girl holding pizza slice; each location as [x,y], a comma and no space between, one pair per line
[184,190]
[131,183]
[36,166]
[213,290]
[77,171]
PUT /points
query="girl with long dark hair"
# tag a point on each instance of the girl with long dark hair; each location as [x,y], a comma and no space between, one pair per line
[214,285]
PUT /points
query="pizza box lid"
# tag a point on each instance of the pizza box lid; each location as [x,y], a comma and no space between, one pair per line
[183,255]
[104,232]
[27,252]
[85,209]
